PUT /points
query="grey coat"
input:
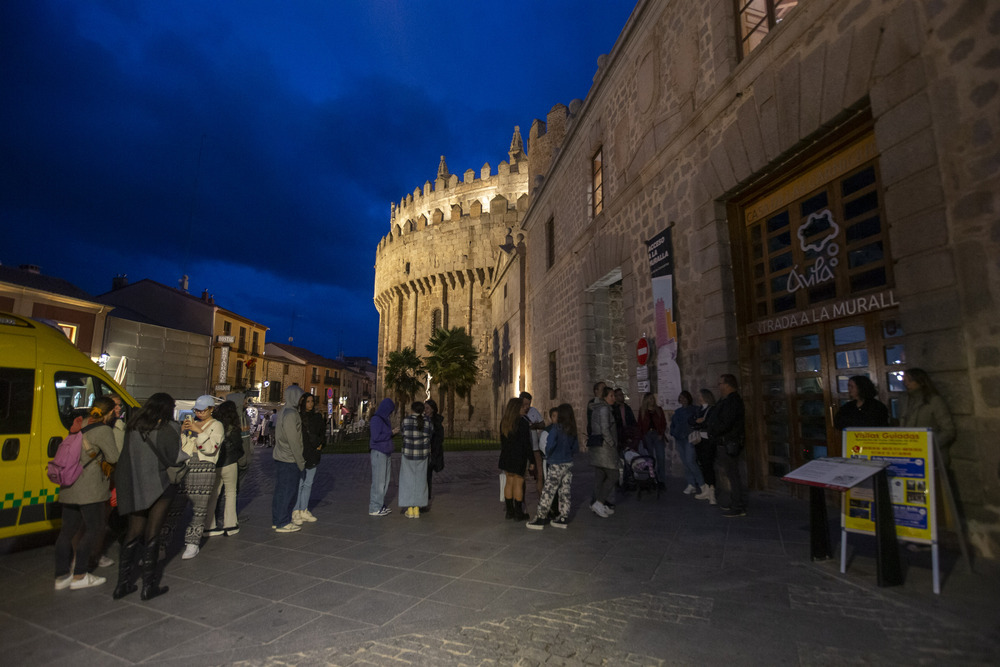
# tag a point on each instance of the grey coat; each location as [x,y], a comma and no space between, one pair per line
[141,478]
[92,486]
[603,421]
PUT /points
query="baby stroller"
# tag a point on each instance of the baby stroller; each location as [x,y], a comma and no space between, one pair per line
[643,472]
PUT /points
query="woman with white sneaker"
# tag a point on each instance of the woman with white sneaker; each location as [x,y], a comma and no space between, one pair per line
[680,431]
[602,447]
[226,472]
[201,439]
[313,432]
[83,501]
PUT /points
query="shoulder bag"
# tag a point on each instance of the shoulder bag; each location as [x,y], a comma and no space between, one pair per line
[176,472]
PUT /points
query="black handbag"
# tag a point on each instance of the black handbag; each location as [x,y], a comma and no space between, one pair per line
[595,440]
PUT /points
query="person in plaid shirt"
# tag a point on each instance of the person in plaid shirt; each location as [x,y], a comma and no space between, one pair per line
[417,431]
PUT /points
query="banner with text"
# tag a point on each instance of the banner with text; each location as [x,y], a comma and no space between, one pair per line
[910,455]
[661,268]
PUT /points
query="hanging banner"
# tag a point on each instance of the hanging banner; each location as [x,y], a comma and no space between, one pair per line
[910,458]
[661,268]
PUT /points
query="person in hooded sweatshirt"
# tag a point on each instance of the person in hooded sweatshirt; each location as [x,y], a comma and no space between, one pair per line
[288,462]
[381,447]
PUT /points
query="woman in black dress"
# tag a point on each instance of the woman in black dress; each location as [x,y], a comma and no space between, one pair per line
[516,456]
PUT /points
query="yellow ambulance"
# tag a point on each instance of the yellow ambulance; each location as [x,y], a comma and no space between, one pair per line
[45,383]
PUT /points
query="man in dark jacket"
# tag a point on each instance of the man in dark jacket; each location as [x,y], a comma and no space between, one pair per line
[726,428]
[381,447]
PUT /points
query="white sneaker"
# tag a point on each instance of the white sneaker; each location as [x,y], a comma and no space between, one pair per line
[190,551]
[63,584]
[88,581]
[215,532]
[689,489]
[306,515]
[105,562]
[706,492]
[297,517]
[599,509]
[288,528]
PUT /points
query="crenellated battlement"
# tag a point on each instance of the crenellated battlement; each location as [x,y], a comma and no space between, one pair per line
[448,198]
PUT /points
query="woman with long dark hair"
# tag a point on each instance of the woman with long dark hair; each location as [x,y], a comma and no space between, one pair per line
[313,432]
[417,433]
[516,456]
[653,429]
[83,501]
[152,444]
[863,410]
[561,445]
[226,471]
[436,461]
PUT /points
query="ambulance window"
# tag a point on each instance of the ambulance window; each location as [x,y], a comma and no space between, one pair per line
[75,393]
[16,388]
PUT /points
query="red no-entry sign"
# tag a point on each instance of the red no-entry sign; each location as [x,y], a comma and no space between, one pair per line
[642,352]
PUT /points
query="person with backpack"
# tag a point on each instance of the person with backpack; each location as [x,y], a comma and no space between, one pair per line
[226,472]
[152,444]
[83,499]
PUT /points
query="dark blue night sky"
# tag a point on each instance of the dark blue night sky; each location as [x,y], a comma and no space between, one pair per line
[256,145]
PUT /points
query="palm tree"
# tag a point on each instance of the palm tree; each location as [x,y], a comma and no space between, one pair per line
[402,370]
[452,365]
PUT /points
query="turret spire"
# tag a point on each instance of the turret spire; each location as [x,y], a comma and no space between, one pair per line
[443,169]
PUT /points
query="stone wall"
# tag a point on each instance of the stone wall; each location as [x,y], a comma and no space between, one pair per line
[686,127]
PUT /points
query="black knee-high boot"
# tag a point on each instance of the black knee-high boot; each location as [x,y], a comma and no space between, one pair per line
[510,508]
[150,579]
[126,568]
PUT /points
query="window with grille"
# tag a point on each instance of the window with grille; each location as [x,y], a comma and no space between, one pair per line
[597,182]
[435,320]
[756,18]
[829,244]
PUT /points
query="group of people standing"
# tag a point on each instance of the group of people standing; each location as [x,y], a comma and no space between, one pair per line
[423,454]
[135,462]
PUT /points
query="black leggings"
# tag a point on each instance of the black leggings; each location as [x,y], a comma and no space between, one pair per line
[91,516]
[148,522]
[705,452]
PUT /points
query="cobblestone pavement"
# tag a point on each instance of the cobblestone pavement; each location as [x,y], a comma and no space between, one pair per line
[665,581]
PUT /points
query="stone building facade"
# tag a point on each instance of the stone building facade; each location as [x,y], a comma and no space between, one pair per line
[828,172]
[832,196]
[437,266]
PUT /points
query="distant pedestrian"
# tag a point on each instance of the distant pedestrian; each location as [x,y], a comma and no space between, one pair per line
[417,432]
[516,457]
[288,462]
[152,444]
[83,501]
[226,472]
[436,461]
[201,439]
[704,448]
[726,428]
[561,444]
[313,435]
[653,431]
[680,431]
[602,448]
[380,448]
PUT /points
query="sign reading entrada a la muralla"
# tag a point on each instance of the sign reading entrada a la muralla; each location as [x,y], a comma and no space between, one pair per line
[845,308]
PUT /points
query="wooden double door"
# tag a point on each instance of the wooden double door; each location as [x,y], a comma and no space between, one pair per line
[800,379]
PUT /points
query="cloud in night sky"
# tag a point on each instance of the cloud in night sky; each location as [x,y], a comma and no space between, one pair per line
[256,145]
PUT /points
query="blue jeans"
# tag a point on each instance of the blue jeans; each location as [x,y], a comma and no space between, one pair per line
[305,488]
[381,472]
[658,450]
[692,473]
[286,487]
